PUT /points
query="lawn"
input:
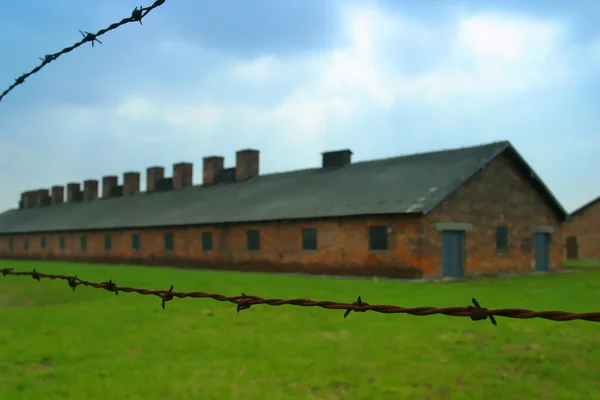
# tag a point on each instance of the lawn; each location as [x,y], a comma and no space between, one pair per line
[91,344]
[582,264]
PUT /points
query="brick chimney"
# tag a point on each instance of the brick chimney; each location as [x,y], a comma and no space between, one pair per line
[90,189]
[26,199]
[33,198]
[153,175]
[131,183]
[58,194]
[108,183]
[336,159]
[246,164]
[43,197]
[73,190]
[182,175]
[211,168]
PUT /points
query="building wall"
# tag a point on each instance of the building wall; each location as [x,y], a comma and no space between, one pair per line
[586,227]
[499,195]
[343,247]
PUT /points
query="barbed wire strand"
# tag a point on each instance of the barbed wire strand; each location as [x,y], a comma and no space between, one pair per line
[136,16]
[243,302]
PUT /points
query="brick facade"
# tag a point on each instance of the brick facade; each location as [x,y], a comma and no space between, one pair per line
[500,194]
[342,247]
[585,227]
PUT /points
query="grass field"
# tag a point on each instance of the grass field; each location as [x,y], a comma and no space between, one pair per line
[91,344]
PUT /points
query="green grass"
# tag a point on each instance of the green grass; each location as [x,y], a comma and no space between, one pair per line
[91,344]
[582,264]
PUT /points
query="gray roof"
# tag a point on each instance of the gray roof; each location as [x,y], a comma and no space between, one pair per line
[407,184]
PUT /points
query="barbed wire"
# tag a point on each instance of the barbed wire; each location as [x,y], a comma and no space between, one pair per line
[244,302]
[136,16]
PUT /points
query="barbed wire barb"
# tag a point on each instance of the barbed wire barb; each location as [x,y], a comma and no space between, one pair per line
[243,302]
[136,16]
[167,296]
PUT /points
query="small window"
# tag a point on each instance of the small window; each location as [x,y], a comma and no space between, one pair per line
[501,238]
[26,243]
[207,241]
[378,238]
[168,241]
[83,243]
[43,242]
[107,242]
[309,239]
[11,243]
[62,243]
[135,242]
[253,240]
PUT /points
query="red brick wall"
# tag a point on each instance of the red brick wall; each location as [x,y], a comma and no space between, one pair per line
[497,195]
[586,227]
[343,247]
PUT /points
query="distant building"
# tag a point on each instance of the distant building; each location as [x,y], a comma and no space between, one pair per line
[582,232]
[451,213]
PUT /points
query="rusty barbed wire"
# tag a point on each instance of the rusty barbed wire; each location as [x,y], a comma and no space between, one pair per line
[136,16]
[244,302]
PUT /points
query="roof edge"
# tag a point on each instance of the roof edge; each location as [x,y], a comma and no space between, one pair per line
[508,146]
[505,146]
[584,207]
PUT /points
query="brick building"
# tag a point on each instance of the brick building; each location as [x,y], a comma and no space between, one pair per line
[582,232]
[466,211]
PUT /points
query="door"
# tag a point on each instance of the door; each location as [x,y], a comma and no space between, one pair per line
[453,254]
[541,251]
[572,248]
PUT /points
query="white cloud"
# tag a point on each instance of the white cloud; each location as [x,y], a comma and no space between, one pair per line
[488,55]
[200,116]
[485,72]
[260,68]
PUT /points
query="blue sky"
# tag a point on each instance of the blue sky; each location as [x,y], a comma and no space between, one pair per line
[294,78]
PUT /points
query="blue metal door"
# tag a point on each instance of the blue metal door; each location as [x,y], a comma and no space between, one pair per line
[452,254]
[541,252]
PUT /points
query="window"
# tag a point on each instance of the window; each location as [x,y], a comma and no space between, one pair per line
[378,238]
[62,243]
[207,241]
[11,243]
[135,242]
[168,241]
[501,238]
[309,239]
[107,242]
[43,242]
[83,241]
[26,243]
[253,240]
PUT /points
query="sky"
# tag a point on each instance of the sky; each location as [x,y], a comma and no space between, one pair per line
[295,78]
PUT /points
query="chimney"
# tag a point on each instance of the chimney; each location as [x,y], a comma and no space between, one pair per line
[213,165]
[336,159]
[153,175]
[36,200]
[43,197]
[26,199]
[90,189]
[182,175]
[108,185]
[73,190]
[246,164]
[31,198]
[131,183]
[58,194]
